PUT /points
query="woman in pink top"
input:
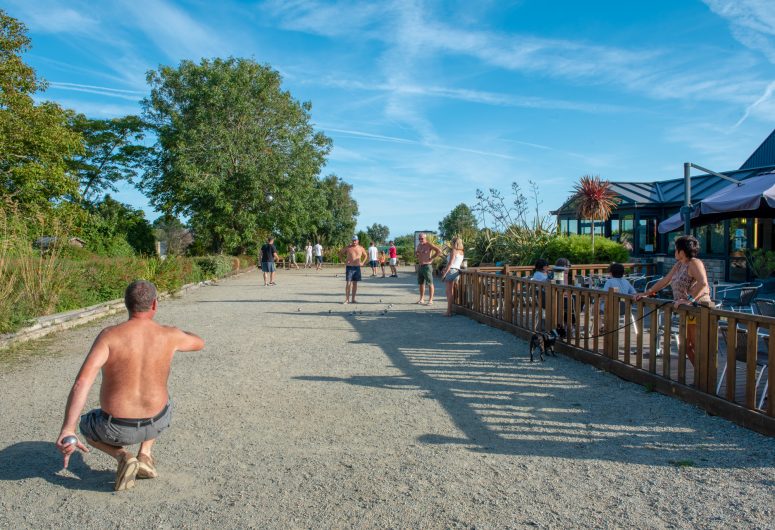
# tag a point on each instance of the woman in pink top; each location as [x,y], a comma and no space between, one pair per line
[689,283]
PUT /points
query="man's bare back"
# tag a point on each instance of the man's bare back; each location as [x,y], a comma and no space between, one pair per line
[134,376]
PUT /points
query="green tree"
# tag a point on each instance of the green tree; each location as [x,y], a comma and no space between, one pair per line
[334,210]
[363,237]
[378,233]
[460,221]
[35,141]
[112,152]
[169,230]
[114,228]
[235,153]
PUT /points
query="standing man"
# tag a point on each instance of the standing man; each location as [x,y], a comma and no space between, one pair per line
[373,258]
[318,251]
[425,253]
[268,257]
[393,254]
[135,407]
[308,255]
[354,255]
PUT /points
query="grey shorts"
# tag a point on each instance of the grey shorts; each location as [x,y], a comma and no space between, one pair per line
[267,266]
[101,427]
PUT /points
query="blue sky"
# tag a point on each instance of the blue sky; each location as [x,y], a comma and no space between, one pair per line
[428,101]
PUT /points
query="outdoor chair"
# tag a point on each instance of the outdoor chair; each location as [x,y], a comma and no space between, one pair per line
[741,355]
[764,307]
[641,282]
[666,292]
[738,298]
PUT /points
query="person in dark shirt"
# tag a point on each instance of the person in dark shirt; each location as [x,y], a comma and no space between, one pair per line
[268,257]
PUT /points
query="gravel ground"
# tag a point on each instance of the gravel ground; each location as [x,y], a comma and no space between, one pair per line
[304,413]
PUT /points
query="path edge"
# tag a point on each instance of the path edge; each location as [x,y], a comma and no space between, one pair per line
[49,324]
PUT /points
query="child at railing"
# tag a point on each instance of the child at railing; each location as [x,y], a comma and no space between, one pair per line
[616,281]
[540,270]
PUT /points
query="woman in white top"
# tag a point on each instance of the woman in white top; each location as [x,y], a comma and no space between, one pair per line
[308,250]
[452,271]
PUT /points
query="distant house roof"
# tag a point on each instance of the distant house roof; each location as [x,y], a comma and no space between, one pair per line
[764,154]
[671,192]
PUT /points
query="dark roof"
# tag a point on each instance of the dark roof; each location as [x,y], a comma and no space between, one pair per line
[764,154]
[671,192]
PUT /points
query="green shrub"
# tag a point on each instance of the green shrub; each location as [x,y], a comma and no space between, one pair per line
[215,266]
[578,249]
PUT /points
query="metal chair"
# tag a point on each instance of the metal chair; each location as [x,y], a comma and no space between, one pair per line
[641,282]
[764,307]
[738,298]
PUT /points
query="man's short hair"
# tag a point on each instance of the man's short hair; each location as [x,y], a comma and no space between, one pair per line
[139,296]
[616,270]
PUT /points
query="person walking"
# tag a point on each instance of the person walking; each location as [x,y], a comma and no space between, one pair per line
[354,255]
[135,358]
[393,255]
[292,256]
[268,258]
[426,252]
[317,250]
[308,256]
[689,282]
[452,272]
[373,258]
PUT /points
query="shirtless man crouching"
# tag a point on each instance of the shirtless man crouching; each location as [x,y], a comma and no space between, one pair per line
[135,358]
[426,252]
[354,255]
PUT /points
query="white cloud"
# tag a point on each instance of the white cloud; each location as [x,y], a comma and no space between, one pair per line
[131,95]
[752,22]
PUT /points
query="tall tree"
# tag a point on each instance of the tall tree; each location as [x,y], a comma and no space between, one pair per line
[378,233]
[594,200]
[112,152]
[235,153]
[35,141]
[336,211]
[460,221]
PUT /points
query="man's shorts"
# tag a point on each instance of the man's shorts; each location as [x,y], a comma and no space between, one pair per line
[393,261]
[101,427]
[424,274]
[267,266]
[319,259]
[374,264]
[353,273]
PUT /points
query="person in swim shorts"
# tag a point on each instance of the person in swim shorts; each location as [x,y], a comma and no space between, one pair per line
[426,252]
[355,256]
[134,358]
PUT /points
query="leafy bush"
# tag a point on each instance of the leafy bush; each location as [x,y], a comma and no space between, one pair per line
[578,249]
[215,266]
[762,262]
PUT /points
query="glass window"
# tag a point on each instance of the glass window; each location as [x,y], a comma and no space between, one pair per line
[716,235]
[586,227]
[573,226]
[563,227]
[647,233]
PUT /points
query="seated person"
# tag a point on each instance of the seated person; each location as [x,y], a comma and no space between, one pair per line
[540,270]
[617,281]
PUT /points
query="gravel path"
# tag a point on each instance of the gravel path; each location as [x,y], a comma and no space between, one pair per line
[301,414]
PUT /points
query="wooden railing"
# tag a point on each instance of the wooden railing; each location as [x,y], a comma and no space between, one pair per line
[597,269]
[643,341]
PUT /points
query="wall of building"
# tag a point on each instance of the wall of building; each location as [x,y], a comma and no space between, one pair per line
[714,268]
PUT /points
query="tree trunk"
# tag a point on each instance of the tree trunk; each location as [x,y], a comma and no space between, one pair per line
[593,240]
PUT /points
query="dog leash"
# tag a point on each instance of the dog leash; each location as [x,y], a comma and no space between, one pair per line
[630,323]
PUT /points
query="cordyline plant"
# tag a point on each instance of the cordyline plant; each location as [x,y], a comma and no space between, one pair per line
[594,200]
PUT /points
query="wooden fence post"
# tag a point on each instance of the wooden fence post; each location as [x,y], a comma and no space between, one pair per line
[508,297]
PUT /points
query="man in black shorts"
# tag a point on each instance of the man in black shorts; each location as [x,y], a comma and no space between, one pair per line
[268,257]
[354,255]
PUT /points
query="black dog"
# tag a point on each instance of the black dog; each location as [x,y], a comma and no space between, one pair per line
[545,342]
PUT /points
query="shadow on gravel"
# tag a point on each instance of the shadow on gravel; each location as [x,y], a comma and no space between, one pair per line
[25,460]
[503,404]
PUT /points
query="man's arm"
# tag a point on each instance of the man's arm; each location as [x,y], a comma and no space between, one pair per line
[364,255]
[95,360]
[187,341]
[435,251]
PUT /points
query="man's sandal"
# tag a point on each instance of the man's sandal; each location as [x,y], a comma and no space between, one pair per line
[126,473]
[147,468]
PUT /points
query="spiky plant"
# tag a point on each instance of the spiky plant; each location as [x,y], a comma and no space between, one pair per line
[594,200]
